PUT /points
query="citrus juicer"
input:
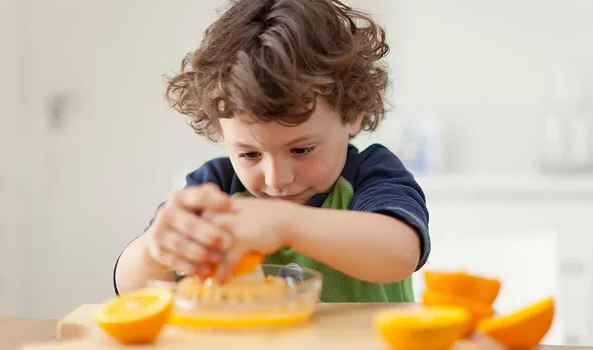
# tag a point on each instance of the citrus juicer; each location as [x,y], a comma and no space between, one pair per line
[264,296]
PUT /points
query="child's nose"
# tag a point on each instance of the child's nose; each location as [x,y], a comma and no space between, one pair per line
[278,175]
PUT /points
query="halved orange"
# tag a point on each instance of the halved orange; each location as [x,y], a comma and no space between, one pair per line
[135,317]
[422,328]
[249,262]
[471,286]
[477,311]
[522,329]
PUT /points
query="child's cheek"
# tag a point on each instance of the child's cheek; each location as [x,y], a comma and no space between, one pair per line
[322,173]
[251,177]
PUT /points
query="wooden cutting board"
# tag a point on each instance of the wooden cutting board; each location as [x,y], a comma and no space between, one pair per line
[344,326]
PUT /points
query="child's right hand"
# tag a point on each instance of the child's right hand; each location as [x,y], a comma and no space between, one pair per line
[180,239]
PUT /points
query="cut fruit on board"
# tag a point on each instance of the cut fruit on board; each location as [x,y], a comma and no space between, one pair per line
[470,286]
[522,329]
[344,326]
[422,328]
[135,317]
[477,311]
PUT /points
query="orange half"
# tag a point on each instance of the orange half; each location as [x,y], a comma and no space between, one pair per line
[249,262]
[471,286]
[135,317]
[476,310]
[422,328]
[522,329]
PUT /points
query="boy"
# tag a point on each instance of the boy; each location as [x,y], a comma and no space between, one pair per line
[286,84]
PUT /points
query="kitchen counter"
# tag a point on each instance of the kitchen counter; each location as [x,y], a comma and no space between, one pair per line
[16,331]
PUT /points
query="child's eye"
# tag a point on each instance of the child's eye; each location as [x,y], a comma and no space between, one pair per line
[302,151]
[249,155]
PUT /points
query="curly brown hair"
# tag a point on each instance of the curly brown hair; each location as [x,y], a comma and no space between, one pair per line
[271,59]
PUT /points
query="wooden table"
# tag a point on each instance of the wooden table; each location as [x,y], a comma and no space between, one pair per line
[16,331]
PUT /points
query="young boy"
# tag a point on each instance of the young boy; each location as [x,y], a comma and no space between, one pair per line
[286,84]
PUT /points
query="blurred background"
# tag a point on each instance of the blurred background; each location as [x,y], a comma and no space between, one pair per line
[492,111]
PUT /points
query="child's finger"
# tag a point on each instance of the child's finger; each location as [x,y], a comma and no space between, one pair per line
[198,229]
[189,250]
[174,262]
[225,269]
[224,220]
[198,198]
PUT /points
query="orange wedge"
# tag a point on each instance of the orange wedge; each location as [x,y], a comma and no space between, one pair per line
[522,329]
[422,328]
[135,317]
[476,310]
[479,288]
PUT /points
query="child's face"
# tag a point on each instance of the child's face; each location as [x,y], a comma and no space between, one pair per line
[290,163]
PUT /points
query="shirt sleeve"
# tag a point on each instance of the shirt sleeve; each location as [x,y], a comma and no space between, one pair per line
[383,185]
[218,171]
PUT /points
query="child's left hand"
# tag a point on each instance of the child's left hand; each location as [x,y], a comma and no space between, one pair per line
[260,225]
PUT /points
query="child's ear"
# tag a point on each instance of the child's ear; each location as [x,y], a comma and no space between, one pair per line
[356,126]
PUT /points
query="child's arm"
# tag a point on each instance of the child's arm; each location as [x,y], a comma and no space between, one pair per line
[384,237]
[369,246]
[135,268]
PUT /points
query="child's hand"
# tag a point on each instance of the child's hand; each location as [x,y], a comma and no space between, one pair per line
[260,225]
[181,239]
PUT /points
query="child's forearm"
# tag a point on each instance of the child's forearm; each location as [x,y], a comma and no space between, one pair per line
[135,268]
[372,247]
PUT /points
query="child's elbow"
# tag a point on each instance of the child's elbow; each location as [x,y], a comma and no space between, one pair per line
[392,270]
[405,267]
[400,266]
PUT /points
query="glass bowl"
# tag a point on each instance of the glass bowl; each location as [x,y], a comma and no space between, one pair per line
[273,295]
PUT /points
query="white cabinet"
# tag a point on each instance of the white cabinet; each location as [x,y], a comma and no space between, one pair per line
[536,233]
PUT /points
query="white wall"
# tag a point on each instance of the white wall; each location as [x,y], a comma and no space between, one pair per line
[481,68]
[91,185]
[8,108]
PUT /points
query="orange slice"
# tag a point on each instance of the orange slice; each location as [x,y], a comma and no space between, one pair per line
[522,329]
[476,310]
[479,288]
[135,317]
[422,328]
